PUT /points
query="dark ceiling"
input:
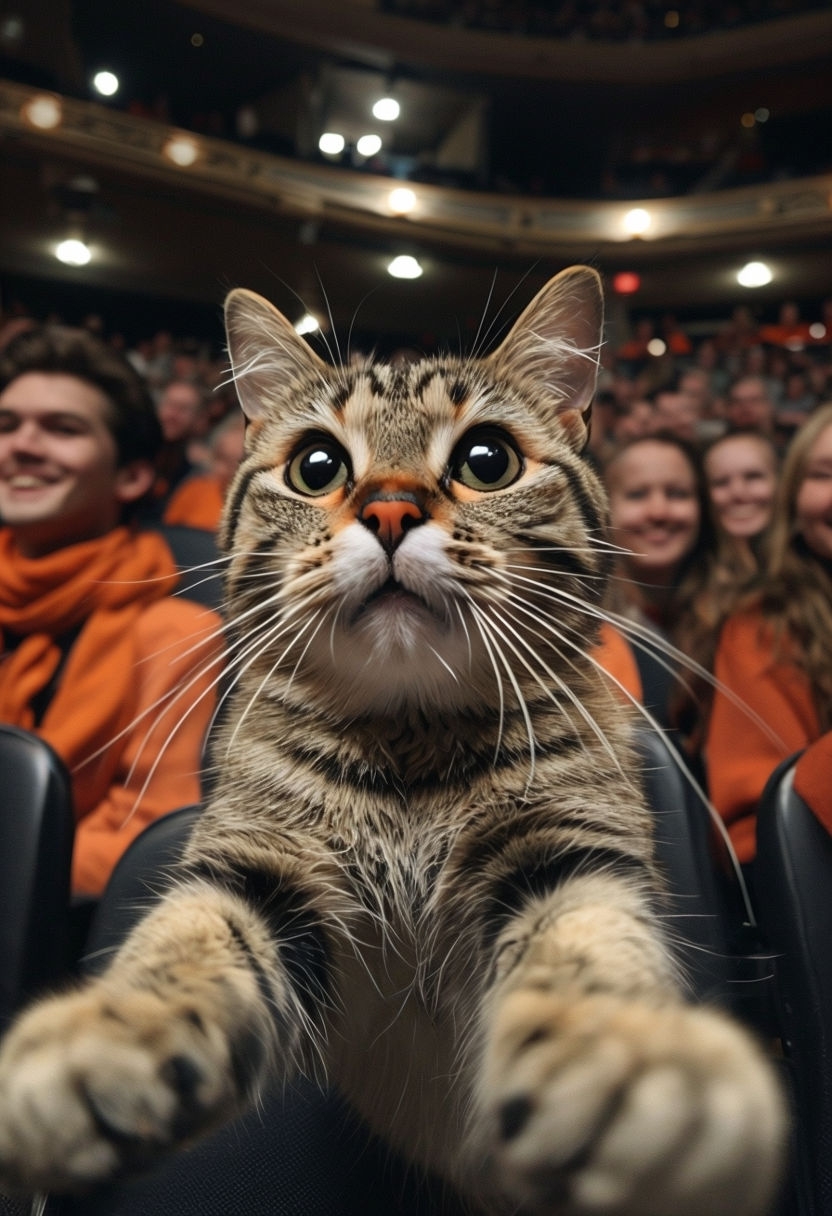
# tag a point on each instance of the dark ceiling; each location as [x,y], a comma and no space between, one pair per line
[552,135]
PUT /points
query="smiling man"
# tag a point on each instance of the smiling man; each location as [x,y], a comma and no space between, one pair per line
[97,657]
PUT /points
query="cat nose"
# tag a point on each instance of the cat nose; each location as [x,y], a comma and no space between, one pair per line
[390,516]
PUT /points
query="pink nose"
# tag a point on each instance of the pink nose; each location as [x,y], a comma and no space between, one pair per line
[390,518]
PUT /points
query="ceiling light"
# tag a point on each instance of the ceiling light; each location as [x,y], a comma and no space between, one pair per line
[105,83]
[44,112]
[754,274]
[73,252]
[307,324]
[637,221]
[404,267]
[182,150]
[331,143]
[401,200]
[386,109]
[368,145]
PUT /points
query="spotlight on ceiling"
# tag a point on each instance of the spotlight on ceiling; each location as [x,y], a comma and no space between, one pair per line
[401,200]
[182,150]
[331,143]
[404,267]
[754,274]
[106,83]
[307,324]
[73,252]
[43,111]
[637,221]
[368,145]
[386,109]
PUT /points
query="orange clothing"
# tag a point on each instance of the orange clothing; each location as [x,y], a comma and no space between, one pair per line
[740,754]
[125,683]
[615,655]
[813,778]
[196,503]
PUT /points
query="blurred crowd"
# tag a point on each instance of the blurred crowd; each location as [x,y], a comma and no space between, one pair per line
[598,19]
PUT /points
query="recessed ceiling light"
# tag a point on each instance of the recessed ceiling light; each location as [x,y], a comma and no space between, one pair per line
[386,109]
[331,143]
[754,274]
[307,324]
[404,267]
[182,150]
[368,145]
[105,83]
[401,200]
[73,252]
[637,221]
[44,112]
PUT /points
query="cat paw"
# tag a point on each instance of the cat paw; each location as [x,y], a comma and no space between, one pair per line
[95,1085]
[599,1106]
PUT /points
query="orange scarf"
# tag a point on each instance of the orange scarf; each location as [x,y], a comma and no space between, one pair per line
[103,586]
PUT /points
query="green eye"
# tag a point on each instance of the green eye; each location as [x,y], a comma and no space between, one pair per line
[318,468]
[485,460]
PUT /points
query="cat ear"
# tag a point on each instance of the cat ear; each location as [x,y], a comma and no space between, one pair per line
[265,351]
[556,342]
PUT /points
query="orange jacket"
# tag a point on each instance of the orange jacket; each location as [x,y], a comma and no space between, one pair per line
[746,741]
[615,655]
[135,694]
[154,766]
[196,503]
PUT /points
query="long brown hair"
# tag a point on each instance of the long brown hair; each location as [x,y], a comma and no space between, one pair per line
[795,595]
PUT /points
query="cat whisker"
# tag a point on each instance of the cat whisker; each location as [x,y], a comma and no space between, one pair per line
[557,680]
[488,626]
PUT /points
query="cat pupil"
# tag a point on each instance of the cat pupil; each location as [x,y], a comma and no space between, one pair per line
[318,468]
[488,461]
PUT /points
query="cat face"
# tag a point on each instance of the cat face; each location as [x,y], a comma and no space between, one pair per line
[412,535]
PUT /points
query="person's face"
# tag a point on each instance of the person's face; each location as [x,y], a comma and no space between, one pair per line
[741,481]
[226,457]
[654,508]
[749,406]
[59,477]
[813,505]
[178,409]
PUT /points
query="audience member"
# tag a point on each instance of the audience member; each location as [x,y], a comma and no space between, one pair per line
[741,473]
[180,408]
[97,656]
[749,406]
[774,658]
[198,500]
[661,526]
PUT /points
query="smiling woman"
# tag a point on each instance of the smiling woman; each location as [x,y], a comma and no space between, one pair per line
[776,652]
[662,527]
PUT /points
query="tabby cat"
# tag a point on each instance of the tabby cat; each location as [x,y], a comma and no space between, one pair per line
[426,865]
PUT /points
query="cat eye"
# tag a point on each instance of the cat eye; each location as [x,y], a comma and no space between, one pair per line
[320,467]
[486,459]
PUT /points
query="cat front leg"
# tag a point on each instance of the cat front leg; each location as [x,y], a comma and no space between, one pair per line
[196,1011]
[601,1091]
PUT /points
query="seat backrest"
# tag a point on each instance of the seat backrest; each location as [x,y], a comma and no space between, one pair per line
[36,836]
[198,561]
[706,925]
[794,881]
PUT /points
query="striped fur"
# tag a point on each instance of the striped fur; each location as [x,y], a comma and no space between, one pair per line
[426,869]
